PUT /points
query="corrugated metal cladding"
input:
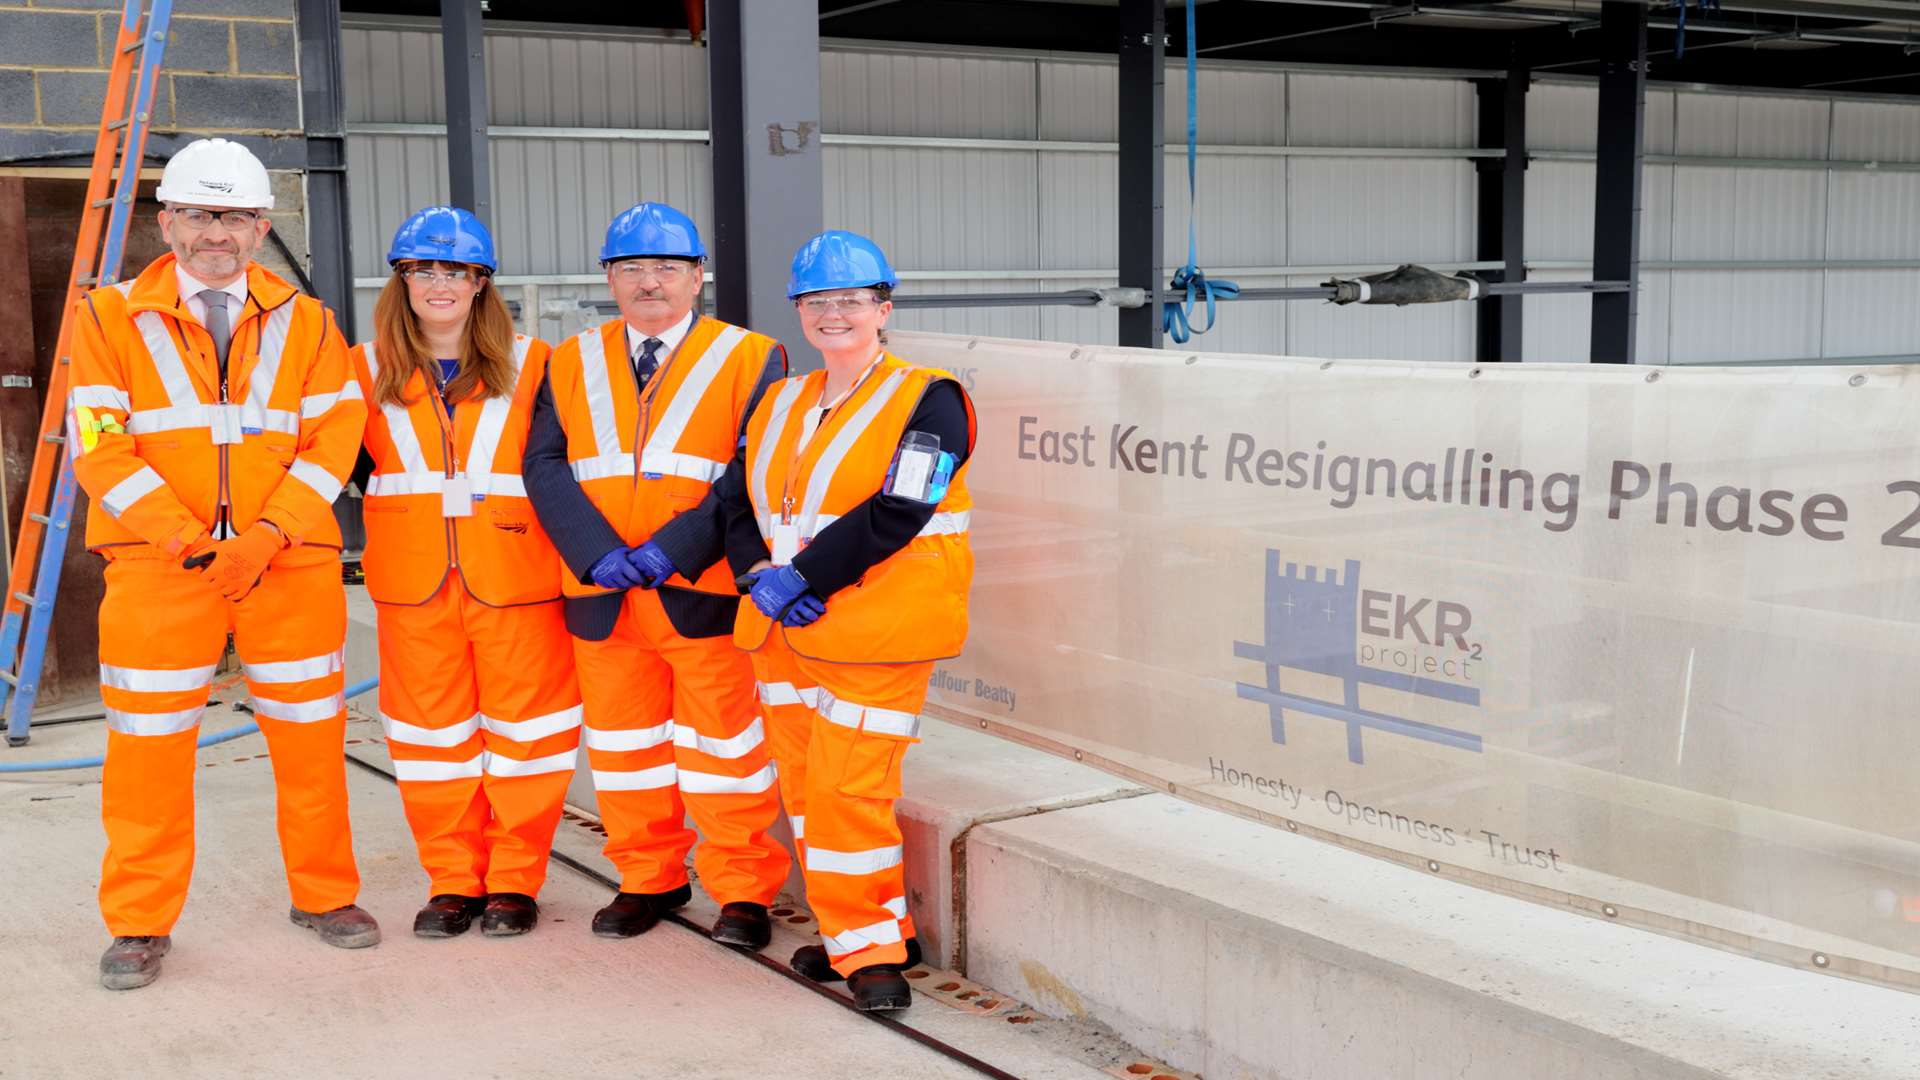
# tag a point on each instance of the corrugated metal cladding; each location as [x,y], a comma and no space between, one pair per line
[1014,219]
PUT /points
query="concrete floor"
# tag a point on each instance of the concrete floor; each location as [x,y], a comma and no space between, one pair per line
[246,994]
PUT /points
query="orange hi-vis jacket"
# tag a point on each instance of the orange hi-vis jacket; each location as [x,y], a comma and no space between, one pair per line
[176,453]
[913,605]
[643,458]
[446,492]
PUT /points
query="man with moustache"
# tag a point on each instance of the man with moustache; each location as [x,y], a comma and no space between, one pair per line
[636,421]
[214,418]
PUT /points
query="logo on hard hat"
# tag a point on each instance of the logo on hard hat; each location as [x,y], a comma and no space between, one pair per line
[224,187]
[440,241]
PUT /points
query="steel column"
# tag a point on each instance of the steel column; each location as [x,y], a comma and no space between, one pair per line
[323,113]
[463,41]
[1143,137]
[764,80]
[1617,172]
[1502,222]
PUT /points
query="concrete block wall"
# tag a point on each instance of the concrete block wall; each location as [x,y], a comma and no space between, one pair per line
[230,68]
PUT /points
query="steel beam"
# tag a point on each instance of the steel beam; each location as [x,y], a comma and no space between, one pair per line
[1143,137]
[1502,222]
[323,111]
[764,84]
[1617,173]
[463,41]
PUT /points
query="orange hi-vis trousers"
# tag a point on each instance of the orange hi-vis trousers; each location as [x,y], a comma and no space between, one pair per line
[162,633]
[483,721]
[673,732]
[840,733]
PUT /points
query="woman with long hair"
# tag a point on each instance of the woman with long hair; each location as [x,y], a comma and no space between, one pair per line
[477,689]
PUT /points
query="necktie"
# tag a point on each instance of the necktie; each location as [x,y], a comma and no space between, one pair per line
[644,365]
[216,305]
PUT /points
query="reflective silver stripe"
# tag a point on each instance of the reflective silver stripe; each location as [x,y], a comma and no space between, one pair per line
[821,477]
[300,712]
[886,932]
[413,735]
[504,484]
[436,770]
[323,483]
[314,405]
[701,783]
[630,739]
[659,776]
[148,421]
[669,463]
[601,414]
[167,362]
[157,680]
[264,419]
[776,423]
[867,717]
[785,693]
[799,823]
[166,723]
[602,467]
[313,667]
[538,727]
[266,371]
[101,397]
[121,497]
[502,765]
[406,442]
[661,455]
[944,523]
[430,483]
[489,429]
[736,747]
[871,861]
[897,906]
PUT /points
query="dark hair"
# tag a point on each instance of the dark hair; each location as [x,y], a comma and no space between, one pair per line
[883,293]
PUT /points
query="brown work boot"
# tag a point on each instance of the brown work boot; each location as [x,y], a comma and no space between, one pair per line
[133,961]
[343,927]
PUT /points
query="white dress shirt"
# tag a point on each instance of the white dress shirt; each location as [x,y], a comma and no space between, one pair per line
[670,339]
[191,287]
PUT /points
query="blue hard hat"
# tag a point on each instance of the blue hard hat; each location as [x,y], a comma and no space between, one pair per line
[654,229]
[443,234]
[838,259]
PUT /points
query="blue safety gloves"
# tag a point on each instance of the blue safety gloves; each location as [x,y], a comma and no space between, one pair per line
[804,610]
[614,571]
[775,590]
[651,564]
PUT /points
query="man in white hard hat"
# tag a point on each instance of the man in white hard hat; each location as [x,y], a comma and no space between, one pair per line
[215,418]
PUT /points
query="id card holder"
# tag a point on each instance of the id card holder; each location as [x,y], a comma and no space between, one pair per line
[224,424]
[456,497]
[786,542]
[912,473]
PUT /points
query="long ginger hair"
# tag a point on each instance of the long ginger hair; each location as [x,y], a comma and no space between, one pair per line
[486,363]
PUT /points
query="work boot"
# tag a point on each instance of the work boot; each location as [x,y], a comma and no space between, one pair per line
[133,961]
[509,914]
[812,961]
[343,927]
[632,914]
[447,915]
[880,988]
[744,925]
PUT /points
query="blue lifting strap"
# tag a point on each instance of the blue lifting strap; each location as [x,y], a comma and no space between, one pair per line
[1176,319]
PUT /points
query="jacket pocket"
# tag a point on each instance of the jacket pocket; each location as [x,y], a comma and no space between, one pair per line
[873,765]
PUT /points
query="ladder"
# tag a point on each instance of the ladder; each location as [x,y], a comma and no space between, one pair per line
[41,546]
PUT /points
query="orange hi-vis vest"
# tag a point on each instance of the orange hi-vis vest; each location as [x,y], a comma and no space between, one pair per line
[172,450]
[446,492]
[913,605]
[644,458]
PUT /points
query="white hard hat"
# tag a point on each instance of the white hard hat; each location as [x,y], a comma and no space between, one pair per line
[215,172]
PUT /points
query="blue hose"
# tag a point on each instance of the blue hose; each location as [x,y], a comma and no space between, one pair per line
[247,728]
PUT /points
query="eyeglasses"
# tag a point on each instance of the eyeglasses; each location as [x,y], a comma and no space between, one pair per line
[663,272]
[424,275]
[231,220]
[852,305]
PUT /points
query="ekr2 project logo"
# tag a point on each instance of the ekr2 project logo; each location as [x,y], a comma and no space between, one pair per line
[1323,622]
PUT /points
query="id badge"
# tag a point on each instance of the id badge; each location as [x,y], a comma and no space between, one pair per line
[456,497]
[786,542]
[914,464]
[224,424]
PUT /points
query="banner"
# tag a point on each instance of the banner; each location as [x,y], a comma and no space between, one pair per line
[1645,642]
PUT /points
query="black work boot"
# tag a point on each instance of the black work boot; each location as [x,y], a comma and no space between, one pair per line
[133,961]
[880,988]
[509,914]
[744,925]
[632,914]
[343,927]
[812,961]
[447,915]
